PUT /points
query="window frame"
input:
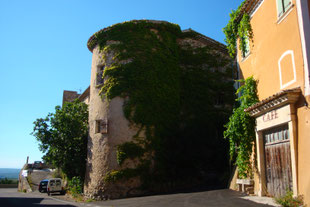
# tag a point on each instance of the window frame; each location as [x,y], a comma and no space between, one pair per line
[245,55]
[285,9]
[101,126]
[99,75]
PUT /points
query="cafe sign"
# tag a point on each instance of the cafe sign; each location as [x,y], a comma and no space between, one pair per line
[273,118]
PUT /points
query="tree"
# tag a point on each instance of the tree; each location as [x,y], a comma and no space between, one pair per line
[63,137]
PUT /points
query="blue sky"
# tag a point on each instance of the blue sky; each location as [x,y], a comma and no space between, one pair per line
[43,52]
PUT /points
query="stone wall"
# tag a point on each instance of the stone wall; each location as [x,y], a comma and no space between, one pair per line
[23,184]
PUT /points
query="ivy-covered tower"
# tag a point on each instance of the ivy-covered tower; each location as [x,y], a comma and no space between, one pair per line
[155,90]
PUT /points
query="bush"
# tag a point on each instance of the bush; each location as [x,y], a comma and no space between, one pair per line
[75,186]
[8,181]
[289,201]
[58,174]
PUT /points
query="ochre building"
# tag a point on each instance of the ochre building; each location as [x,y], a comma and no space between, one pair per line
[278,57]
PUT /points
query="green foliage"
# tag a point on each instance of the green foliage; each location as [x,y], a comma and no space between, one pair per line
[237,29]
[127,173]
[116,175]
[170,92]
[89,200]
[129,150]
[75,186]
[63,137]
[8,181]
[58,174]
[288,200]
[240,130]
[244,32]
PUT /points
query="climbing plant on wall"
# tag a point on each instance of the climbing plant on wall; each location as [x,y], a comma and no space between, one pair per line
[240,130]
[170,92]
[237,28]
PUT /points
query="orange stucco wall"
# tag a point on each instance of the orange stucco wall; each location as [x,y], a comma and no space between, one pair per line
[304,152]
[273,39]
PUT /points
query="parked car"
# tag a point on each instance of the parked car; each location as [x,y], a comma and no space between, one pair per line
[55,185]
[37,165]
[43,186]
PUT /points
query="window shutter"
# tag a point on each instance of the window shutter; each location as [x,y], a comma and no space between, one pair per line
[287,3]
[280,7]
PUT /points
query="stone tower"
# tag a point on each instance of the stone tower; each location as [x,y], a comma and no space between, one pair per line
[108,126]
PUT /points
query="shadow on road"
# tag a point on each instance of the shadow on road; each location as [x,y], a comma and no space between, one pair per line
[216,198]
[28,202]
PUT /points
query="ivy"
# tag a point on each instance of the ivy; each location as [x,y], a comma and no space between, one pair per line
[237,29]
[116,175]
[128,150]
[240,130]
[170,91]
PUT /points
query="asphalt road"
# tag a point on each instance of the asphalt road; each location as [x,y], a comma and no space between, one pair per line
[215,198]
[9,197]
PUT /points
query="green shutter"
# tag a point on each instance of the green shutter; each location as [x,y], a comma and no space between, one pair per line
[280,7]
[287,3]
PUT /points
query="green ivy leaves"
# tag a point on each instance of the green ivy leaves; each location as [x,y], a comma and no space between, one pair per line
[170,91]
[240,130]
[237,29]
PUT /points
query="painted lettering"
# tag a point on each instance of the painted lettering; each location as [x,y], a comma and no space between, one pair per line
[270,116]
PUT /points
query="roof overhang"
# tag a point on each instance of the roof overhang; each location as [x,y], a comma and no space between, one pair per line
[248,7]
[289,96]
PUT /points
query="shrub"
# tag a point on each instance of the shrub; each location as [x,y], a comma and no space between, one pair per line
[288,200]
[75,186]
[8,181]
[58,174]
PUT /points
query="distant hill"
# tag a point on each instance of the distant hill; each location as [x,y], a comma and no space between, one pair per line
[11,173]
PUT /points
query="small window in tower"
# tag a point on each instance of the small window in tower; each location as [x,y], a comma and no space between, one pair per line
[219,99]
[99,78]
[101,126]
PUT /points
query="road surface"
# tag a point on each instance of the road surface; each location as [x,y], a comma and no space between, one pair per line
[9,197]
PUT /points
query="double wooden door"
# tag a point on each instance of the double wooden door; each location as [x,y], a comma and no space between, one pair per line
[278,160]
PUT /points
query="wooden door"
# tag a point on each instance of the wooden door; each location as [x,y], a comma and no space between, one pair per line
[278,160]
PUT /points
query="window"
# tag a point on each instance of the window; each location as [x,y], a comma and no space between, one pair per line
[101,126]
[52,183]
[283,6]
[219,99]
[58,183]
[276,134]
[246,51]
[99,79]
